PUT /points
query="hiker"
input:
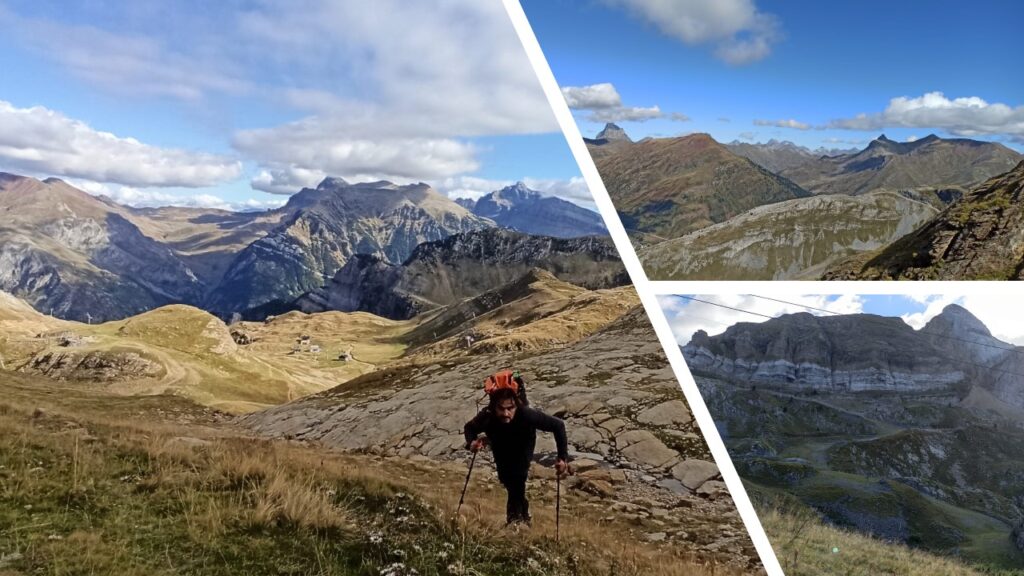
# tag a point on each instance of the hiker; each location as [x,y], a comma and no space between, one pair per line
[510,427]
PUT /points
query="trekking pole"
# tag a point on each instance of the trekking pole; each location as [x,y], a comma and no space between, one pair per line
[558,503]
[466,485]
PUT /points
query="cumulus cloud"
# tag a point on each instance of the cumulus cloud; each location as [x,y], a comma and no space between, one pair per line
[686,317]
[967,116]
[795,124]
[572,190]
[593,97]
[41,140]
[605,105]
[369,99]
[739,32]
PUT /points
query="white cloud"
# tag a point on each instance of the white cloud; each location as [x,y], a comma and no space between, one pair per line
[968,116]
[605,105]
[626,114]
[686,317]
[389,88]
[45,141]
[573,190]
[740,33]
[790,123]
[593,97]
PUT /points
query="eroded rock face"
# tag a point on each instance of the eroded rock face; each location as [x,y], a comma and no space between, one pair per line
[464,266]
[795,239]
[94,366]
[854,353]
[327,227]
[980,236]
[1017,536]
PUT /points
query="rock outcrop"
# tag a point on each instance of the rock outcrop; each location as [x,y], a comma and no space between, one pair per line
[330,224]
[462,266]
[795,239]
[980,236]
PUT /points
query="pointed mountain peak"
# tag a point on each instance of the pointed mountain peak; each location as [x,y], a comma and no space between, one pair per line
[517,191]
[612,133]
[331,182]
[882,138]
[956,321]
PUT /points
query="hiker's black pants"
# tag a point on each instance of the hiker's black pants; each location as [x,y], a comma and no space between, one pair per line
[517,508]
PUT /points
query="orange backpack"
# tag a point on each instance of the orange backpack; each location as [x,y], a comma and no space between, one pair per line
[500,380]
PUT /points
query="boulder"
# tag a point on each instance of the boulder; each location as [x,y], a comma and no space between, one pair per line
[673,412]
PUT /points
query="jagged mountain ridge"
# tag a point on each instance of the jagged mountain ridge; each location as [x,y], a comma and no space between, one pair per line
[85,256]
[330,224]
[929,162]
[461,266]
[517,207]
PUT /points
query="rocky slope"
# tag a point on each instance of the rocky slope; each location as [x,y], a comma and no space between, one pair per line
[980,236]
[328,226]
[929,162]
[795,239]
[635,445]
[462,266]
[518,208]
[673,186]
[84,257]
[912,436]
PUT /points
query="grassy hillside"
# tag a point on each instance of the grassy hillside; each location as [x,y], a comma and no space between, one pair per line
[806,546]
[99,484]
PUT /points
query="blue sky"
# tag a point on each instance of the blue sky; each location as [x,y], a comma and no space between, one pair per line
[804,69]
[687,316]
[238,104]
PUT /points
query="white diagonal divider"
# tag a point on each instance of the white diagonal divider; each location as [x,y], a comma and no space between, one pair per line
[643,286]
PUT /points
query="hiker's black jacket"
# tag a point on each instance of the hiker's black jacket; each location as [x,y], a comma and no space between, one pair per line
[513,443]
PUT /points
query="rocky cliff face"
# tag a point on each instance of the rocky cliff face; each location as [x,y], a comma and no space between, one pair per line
[855,353]
[913,436]
[331,224]
[795,239]
[444,272]
[980,236]
[518,208]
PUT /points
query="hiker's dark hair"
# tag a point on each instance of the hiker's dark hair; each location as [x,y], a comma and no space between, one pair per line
[502,394]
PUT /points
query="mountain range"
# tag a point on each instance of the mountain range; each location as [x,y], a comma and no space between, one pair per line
[88,258]
[909,435]
[697,209]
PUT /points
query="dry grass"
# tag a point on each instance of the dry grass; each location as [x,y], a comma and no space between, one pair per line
[85,490]
[806,546]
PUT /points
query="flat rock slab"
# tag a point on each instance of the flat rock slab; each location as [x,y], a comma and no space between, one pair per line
[694,473]
[673,412]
